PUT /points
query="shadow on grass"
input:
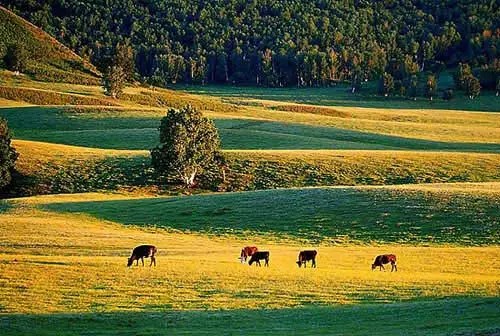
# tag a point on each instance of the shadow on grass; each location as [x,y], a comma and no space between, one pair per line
[56,125]
[463,316]
[314,214]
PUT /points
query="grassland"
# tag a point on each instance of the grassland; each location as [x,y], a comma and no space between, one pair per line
[49,60]
[341,95]
[52,168]
[68,269]
[137,129]
[320,215]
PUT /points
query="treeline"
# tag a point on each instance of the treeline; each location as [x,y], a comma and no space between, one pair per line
[273,42]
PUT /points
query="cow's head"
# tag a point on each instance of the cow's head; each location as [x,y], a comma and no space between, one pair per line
[299,263]
[373,266]
[130,262]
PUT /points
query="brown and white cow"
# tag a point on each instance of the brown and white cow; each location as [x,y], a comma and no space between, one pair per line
[305,256]
[258,256]
[246,252]
[141,252]
[382,259]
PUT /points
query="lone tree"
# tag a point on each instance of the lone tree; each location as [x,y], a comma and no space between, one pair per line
[472,87]
[461,74]
[114,81]
[16,57]
[386,84]
[430,86]
[413,87]
[189,144]
[8,155]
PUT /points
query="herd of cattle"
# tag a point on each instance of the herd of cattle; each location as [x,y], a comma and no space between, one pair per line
[252,252]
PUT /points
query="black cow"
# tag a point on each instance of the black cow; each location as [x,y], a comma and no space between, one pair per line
[305,256]
[141,252]
[258,256]
[382,259]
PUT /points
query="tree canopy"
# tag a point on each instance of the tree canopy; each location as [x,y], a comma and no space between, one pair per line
[189,144]
[8,155]
[274,43]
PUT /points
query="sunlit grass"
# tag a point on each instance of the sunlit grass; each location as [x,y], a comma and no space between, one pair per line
[73,263]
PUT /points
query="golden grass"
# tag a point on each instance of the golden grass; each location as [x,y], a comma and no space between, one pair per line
[428,124]
[73,263]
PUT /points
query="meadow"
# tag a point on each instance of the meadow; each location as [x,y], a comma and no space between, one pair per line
[67,272]
[137,129]
[351,175]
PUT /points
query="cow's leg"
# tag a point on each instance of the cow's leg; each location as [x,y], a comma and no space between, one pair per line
[137,262]
[314,263]
[267,262]
[394,267]
[258,262]
[142,259]
[153,260]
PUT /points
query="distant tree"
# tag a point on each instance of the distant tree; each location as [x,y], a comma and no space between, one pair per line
[386,84]
[430,86]
[356,81]
[16,57]
[461,74]
[8,155]
[413,87]
[114,81]
[189,144]
[472,87]
[124,57]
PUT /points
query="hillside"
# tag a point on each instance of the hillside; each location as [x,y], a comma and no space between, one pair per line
[49,59]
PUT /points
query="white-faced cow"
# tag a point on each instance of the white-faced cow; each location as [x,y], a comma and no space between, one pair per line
[246,252]
[380,260]
[258,256]
[305,256]
[141,252]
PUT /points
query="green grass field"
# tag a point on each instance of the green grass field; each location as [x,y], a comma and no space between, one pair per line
[318,215]
[63,256]
[116,129]
[438,317]
[341,96]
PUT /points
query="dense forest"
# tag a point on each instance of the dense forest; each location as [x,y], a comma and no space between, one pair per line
[274,42]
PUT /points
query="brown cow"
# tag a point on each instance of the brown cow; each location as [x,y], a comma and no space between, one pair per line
[380,260]
[141,252]
[305,256]
[258,256]
[246,252]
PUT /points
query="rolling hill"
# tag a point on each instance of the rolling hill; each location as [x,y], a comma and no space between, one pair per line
[49,59]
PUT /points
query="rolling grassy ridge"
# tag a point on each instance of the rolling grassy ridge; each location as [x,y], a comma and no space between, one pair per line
[117,129]
[318,215]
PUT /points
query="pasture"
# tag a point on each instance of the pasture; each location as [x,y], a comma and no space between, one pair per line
[67,272]
[63,257]
[137,130]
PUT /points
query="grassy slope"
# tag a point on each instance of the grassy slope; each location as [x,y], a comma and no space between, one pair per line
[122,129]
[50,60]
[331,215]
[428,124]
[73,267]
[51,168]
[444,317]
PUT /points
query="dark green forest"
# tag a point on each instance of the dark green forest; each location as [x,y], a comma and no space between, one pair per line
[274,42]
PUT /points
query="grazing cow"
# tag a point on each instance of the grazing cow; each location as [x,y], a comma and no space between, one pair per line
[141,252]
[258,256]
[305,256]
[385,259]
[246,252]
